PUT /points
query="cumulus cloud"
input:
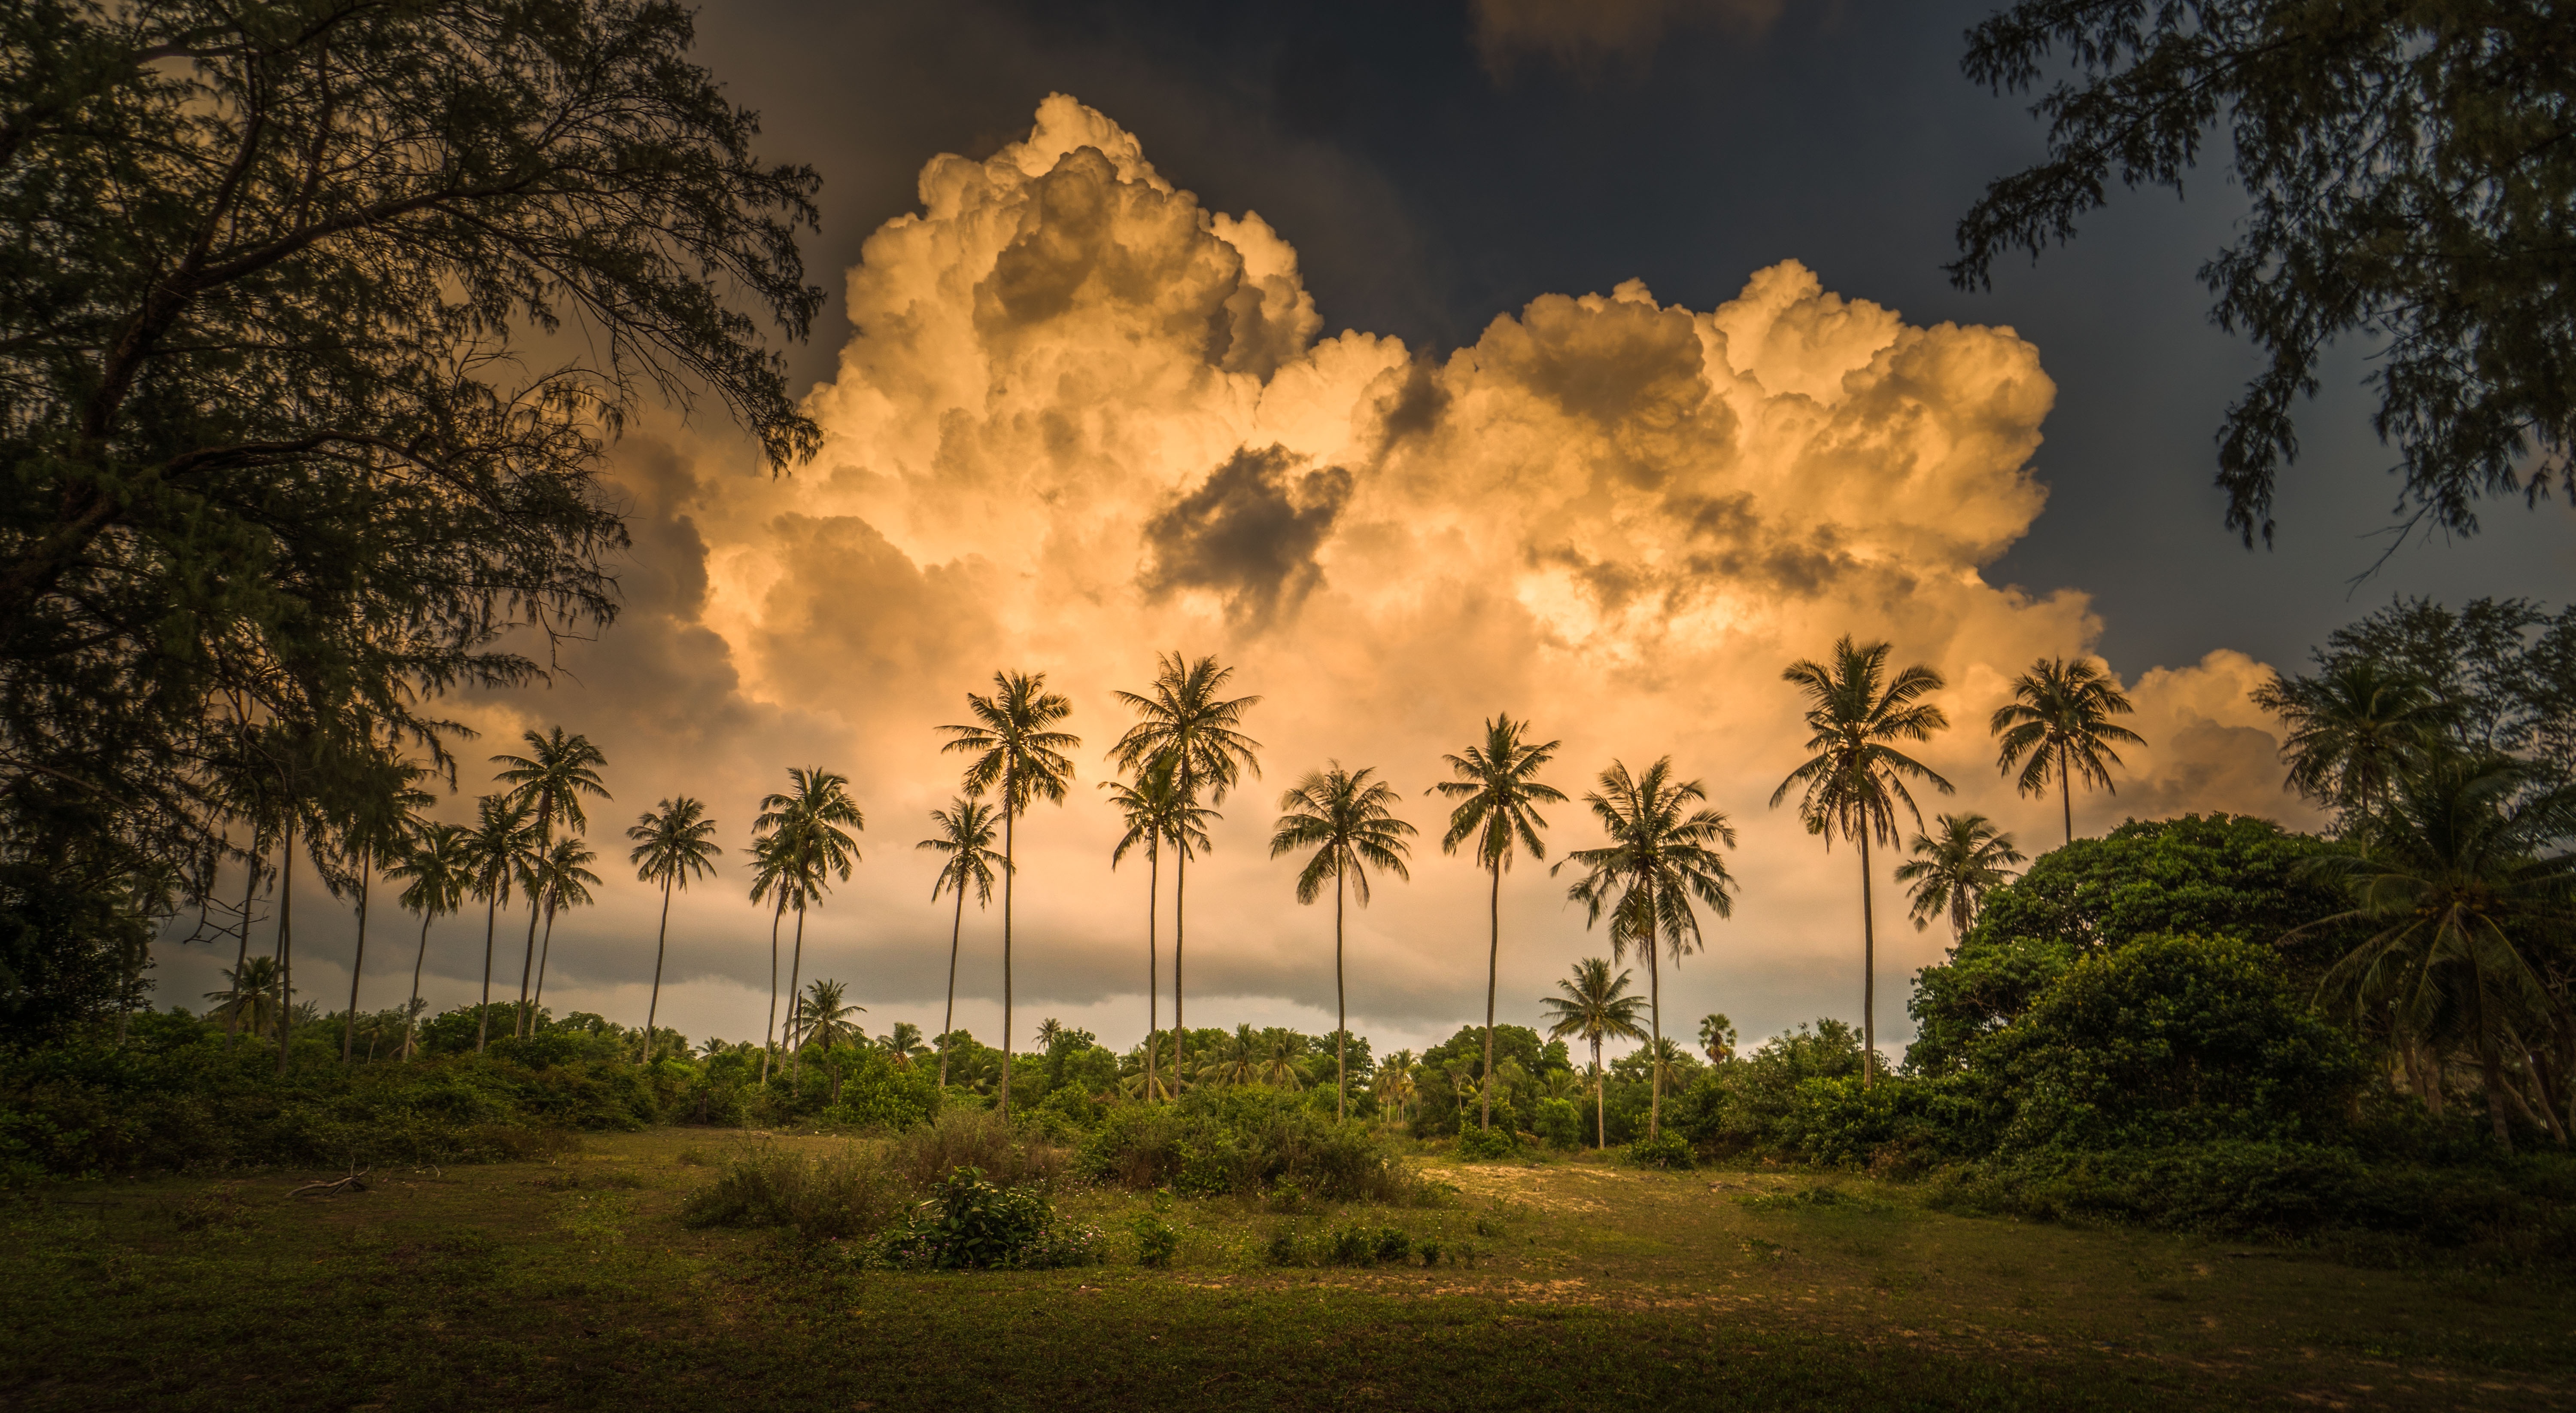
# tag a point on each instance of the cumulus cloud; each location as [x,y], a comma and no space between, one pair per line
[1085,420]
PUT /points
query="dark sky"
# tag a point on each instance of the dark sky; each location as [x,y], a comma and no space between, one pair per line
[1426,192]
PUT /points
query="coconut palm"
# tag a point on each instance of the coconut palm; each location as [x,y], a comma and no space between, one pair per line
[564,881]
[903,1044]
[1155,810]
[2461,876]
[1185,720]
[378,826]
[812,819]
[2351,730]
[966,837]
[1280,1052]
[1498,794]
[777,876]
[2058,727]
[1394,1083]
[251,1001]
[1954,867]
[1016,747]
[1349,821]
[1595,1008]
[501,853]
[1049,1032]
[1237,1060]
[674,842]
[1855,781]
[437,871]
[1659,858]
[825,1018]
[553,776]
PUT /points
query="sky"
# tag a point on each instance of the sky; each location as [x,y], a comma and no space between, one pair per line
[1587,364]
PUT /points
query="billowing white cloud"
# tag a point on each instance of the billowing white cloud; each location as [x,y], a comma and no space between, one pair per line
[1085,420]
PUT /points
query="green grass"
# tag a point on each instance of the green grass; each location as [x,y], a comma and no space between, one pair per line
[573,1285]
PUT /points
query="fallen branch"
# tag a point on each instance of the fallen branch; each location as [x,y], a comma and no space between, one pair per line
[354,1182]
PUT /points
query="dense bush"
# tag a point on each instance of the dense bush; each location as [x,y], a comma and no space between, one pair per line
[971,1224]
[1243,1140]
[1559,1123]
[1483,1145]
[1664,1150]
[973,1138]
[854,1194]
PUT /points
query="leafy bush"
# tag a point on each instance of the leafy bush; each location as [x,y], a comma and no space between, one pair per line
[971,1224]
[822,1199]
[1666,1150]
[1156,1239]
[1560,1123]
[1480,1145]
[1244,1141]
[977,1139]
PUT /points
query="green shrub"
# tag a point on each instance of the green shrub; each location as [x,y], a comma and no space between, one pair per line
[1483,1145]
[1350,1245]
[1667,1150]
[1246,1141]
[822,1199]
[1560,1123]
[977,1139]
[1156,1239]
[970,1224]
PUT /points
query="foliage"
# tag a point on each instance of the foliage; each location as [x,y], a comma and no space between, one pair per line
[1668,1150]
[1483,1145]
[2058,726]
[1559,1122]
[1244,1141]
[969,1224]
[834,1198]
[977,1139]
[1954,868]
[1156,1239]
[2405,165]
[1348,1245]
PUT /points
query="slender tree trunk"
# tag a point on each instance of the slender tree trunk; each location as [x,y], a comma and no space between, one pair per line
[769,1037]
[1493,975]
[661,943]
[545,948]
[241,955]
[2066,794]
[483,1011]
[1010,875]
[1600,1102]
[527,967]
[1341,1015]
[1180,938]
[1655,1011]
[795,979]
[357,963]
[536,897]
[411,1009]
[1153,963]
[948,1019]
[285,946]
[1868,974]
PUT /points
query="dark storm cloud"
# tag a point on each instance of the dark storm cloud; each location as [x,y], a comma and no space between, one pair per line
[1248,533]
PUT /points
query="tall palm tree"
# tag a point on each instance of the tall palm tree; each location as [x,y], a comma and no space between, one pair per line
[553,776]
[2461,875]
[903,1044]
[1155,810]
[565,882]
[1595,1008]
[251,1000]
[379,825]
[1280,1052]
[501,853]
[966,837]
[674,842]
[1349,821]
[1016,746]
[2058,727]
[2351,730]
[437,869]
[1659,858]
[1050,1031]
[1856,779]
[825,1018]
[812,821]
[1186,719]
[776,876]
[1498,794]
[1954,867]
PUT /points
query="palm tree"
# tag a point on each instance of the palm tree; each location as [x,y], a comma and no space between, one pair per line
[966,837]
[1238,1058]
[1393,1084]
[825,1018]
[557,771]
[251,1001]
[1349,821]
[1498,795]
[1155,810]
[1855,780]
[1050,1031]
[1717,1037]
[674,843]
[1955,867]
[439,869]
[776,877]
[2459,876]
[903,1044]
[1659,857]
[1015,746]
[2058,726]
[565,883]
[809,820]
[1280,1051]
[381,824]
[1188,722]
[2350,731]
[500,850]
[1596,1007]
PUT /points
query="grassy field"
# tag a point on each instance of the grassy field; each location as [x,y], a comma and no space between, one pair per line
[572,1284]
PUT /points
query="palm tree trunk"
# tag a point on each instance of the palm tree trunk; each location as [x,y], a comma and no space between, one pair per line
[1010,874]
[1868,974]
[1600,1102]
[285,946]
[1341,1015]
[483,1012]
[545,949]
[411,1010]
[241,956]
[357,964]
[1493,973]
[795,978]
[1153,963]
[661,943]
[527,968]
[1655,1012]
[1180,935]
[536,897]
[769,1037]
[948,1021]
[2066,794]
